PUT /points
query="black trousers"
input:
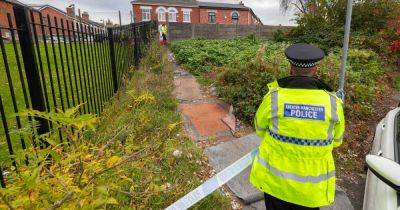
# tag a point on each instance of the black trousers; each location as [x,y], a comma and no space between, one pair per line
[164,36]
[273,203]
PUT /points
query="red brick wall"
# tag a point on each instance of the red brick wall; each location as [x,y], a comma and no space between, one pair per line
[194,15]
[52,13]
[224,16]
[200,15]
[4,9]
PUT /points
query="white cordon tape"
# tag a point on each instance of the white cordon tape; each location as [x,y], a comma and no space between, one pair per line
[214,182]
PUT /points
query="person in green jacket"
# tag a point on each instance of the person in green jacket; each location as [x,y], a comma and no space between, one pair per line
[164,33]
[300,121]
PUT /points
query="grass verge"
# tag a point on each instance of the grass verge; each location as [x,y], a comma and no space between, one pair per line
[81,70]
[133,157]
[144,114]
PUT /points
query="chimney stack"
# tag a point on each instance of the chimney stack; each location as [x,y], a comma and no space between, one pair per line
[85,17]
[71,10]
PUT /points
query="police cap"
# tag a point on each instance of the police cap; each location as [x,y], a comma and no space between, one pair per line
[304,55]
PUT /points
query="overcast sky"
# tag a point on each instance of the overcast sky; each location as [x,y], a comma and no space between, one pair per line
[267,10]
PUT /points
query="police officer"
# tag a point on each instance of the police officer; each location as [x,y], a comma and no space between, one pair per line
[300,120]
[164,32]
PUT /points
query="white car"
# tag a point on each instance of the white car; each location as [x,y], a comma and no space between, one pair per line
[382,189]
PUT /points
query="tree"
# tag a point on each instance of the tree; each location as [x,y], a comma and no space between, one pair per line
[300,5]
[373,24]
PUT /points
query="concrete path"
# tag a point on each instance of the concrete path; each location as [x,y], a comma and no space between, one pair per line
[226,153]
[203,121]
[202,114]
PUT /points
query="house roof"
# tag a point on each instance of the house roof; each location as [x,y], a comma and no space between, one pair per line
[191,3]
[15,2]
[94,23]
[228,6]
[222,5]
[40,7]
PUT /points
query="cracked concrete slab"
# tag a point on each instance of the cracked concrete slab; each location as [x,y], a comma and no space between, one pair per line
[226,153]
[259,205]
[187,89]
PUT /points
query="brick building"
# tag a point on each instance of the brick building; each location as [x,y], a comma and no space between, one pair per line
[62,17]
[6,7]
[192,11]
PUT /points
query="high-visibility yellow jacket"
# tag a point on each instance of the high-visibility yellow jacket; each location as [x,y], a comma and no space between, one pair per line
[300,128]
[164,30]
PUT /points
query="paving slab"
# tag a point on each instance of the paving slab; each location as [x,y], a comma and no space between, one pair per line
[187,89]
[226,153]
[206,118]
[259,205]
[342,202]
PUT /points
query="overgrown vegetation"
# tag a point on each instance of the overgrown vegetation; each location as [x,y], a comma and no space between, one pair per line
[243,68]
[133,156]
[241,72]
[397,83]
[375,26]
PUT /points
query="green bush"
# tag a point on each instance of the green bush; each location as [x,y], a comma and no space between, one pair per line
[397,82]
[373,26]
[200,55]
[362,69]
[244,86]
[244,74]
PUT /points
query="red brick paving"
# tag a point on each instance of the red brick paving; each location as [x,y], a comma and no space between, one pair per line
[206,118]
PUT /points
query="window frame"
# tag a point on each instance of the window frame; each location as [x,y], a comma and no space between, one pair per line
[237,16]
[161,14]
[214,16]
[186,13]
[172,14]
[146,14]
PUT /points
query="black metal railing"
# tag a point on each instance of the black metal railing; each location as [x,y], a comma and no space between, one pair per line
[49,64]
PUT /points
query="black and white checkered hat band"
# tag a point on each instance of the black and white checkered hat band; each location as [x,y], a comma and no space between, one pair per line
[303,65]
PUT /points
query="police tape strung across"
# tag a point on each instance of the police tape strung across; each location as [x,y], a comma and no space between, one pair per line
[304,111]
[214,182]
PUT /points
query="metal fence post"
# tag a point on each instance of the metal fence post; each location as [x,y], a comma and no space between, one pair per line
[112,58]
[136,47]
[31,68]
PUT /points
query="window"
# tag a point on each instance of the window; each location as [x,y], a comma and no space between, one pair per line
[172,14]
[161,14]
[186,16]
[235,17]
[145,14]
[211,17]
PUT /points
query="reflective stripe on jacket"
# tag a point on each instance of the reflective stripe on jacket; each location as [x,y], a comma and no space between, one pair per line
[300,128]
